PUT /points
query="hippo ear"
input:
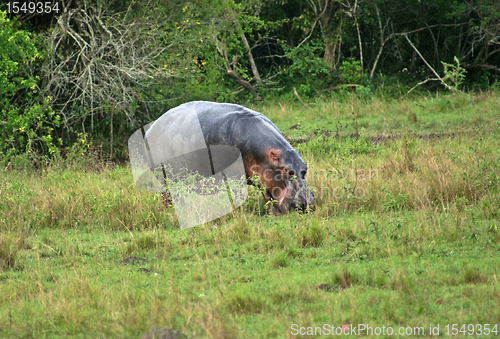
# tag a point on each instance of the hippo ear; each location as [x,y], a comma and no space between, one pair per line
[274,156]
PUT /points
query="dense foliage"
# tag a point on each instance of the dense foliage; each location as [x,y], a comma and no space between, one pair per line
[97,70]
[26,118]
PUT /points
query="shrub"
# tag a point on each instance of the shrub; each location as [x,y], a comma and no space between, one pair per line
[26,118]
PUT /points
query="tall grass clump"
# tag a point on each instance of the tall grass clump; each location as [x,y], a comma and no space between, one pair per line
[64,199]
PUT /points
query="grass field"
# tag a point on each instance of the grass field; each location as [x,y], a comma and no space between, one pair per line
[406,234]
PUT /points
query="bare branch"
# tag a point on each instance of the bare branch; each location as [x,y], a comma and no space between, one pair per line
[98,62]
[427,27]
[244,83]
[310,32]
[354,11]
[382,42]
[491,67]
[334,88]
[251,60]
[432,69]
[298,97]
[421,83]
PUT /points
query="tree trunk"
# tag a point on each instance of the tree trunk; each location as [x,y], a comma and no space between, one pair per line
[111,136]
[331,35]
[333,43]
[329,56]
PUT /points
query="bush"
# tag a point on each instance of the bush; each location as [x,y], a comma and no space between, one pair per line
[308,70]
[27,120]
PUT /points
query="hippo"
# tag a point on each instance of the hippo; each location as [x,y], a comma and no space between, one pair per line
[264,150]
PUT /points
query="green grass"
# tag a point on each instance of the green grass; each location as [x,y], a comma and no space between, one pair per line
[406,234]
[424,114]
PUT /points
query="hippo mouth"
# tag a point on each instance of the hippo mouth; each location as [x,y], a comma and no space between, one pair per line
[291,199]
[303,206]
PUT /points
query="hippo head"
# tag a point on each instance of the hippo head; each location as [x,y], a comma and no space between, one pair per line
[283,173]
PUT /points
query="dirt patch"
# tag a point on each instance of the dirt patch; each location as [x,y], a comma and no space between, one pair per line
[324,287]
[382,138]
[294,141]
[378,138]
[133,260]
[163,333]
